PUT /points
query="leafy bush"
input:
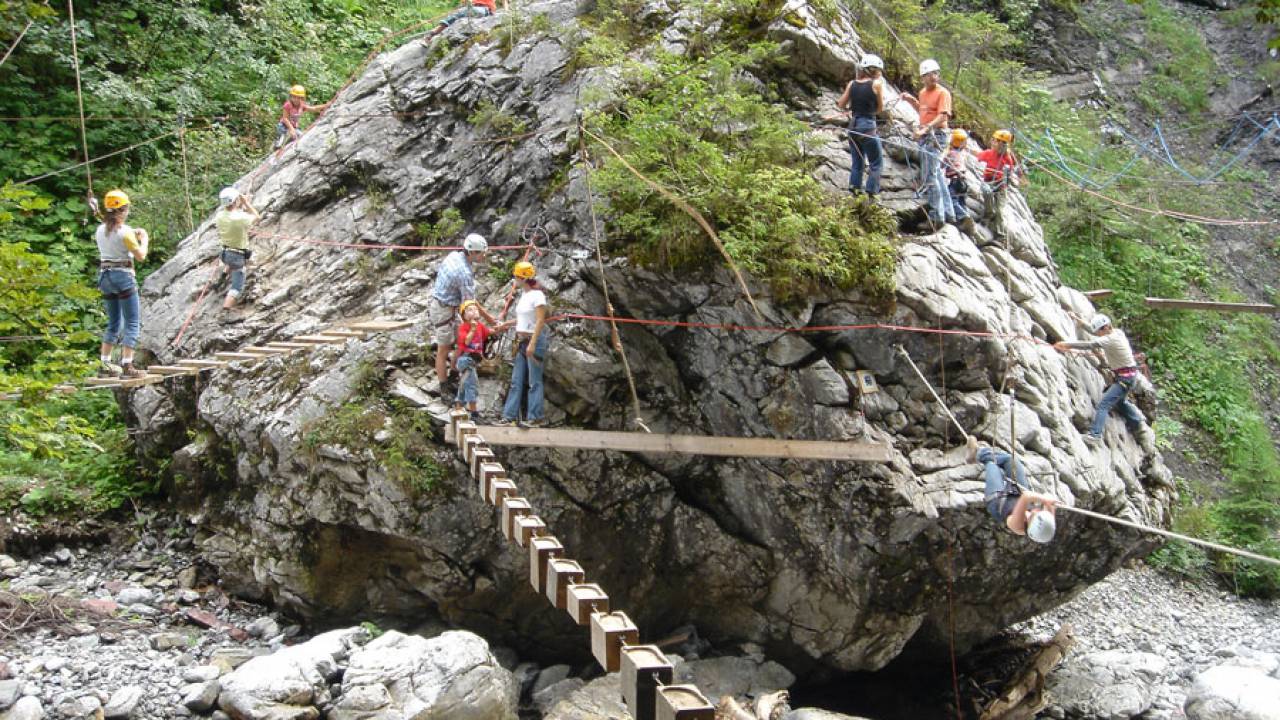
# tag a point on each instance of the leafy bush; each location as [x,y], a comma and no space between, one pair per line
[704,131]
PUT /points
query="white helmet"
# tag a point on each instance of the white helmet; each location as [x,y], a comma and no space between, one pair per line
[228,195]
[872,61]
[1042,526]
[1098,322]
[929,66]
[475,243]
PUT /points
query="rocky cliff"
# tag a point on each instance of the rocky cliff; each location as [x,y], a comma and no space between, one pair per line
[824,564]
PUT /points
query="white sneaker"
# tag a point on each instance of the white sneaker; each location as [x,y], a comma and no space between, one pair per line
[1092,440]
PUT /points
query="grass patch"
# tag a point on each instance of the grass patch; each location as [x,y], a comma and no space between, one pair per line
[1184,68]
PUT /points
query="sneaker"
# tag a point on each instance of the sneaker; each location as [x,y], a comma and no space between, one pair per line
[128,372]
[971,450]
[505,422]
[108,370]
[1092,440]
[538,423]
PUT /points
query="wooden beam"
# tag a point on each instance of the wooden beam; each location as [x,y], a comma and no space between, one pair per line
[380,325]
[97,382]
[173,370]
[236,356]
[290,345]
[144,380]
[689,444]
[265,351]
[344,333]
[1171,304]
[203,364]
[319,339]
[1098,294]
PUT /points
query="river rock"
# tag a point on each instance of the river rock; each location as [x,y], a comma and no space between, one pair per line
[200,697]
[135,596]
[26,708]
[1112,685]
[123,702]
[600,698]
[9,692]
[1230,692]
[452,675]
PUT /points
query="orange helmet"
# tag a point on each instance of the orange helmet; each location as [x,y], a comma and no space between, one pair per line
[115,199]
[524,270]
[1002,136]
[298,91]
[958,138]
[462,309]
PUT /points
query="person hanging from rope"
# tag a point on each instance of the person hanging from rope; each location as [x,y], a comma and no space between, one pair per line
[455,283]
[288,128]
[934,106]
[1119,357]
[119,247]
[953,166]
[233,220]
[1011,500]
[864,99]
[532,338]
[469,9]
[472,336]
[1001,170]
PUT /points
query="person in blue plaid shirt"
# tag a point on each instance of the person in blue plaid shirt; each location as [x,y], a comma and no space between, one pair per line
[455,282]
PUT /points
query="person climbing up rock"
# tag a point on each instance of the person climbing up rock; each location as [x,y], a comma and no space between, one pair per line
[954,165]
[233,220]
[530,348]
[469,9]
[1011,500]
[1119,357]
[472,335]
[1000,172]
[864,99]
[288,129]
[119,247]
[455,283]
[934,106]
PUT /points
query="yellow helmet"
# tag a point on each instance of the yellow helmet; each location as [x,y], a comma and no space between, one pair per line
[958,138]
[1002,136]
[115,199]
[524,270]
[462,309]
[298,91]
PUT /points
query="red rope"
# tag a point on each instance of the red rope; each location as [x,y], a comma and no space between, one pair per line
[194,306]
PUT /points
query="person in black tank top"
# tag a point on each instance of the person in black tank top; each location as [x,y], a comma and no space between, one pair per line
[864,99]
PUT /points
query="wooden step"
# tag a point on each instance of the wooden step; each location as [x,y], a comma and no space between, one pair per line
[319,339]
[381,325]
[236,356]
[98,382]
[290,345]
[265,351]
[344,333]
[144,380]
[173,370]
[202,364]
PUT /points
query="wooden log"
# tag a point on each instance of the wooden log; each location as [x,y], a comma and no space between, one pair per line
[683,702]
[644,669]
[1024,698]
[691,444]
[583,600]
[561,573]
[1172,304]
[609,632]
[541,551]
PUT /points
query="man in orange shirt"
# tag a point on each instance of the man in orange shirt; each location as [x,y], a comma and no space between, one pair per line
[934,136]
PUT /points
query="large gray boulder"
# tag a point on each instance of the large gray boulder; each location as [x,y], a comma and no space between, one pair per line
[1109,685]
[1232,692]
[839,565]
[406,677]
[291,683]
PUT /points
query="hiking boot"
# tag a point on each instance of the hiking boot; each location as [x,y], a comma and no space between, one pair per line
[108,370]
[971,450]
[129,372]
[1092,440]
[537,423]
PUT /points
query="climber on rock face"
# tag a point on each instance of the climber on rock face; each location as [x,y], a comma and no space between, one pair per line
[455,283]
[119,248]
[953,165]
[1001,171]
[1119,357]
[291,115]
[1023,512]
[934,106]
[470,8]
[233,221]
[864,99]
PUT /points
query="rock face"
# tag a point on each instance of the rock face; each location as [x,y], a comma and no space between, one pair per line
[1231,692]
[831,565]
[1114,685]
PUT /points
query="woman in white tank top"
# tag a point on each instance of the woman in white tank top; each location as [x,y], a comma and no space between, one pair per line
[119,246]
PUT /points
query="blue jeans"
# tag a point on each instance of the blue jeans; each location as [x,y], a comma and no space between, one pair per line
[235,262]
[956,192]
[1115,397]
[469,387]
[124,313]
[473,11]
[932,147]
[996,465]
[527,373]
[864,146]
